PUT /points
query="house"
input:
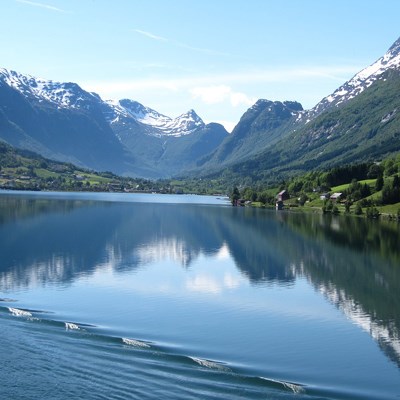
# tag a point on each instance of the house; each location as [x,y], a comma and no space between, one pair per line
[280,197]
[283,195]
[336,196]
[324,196]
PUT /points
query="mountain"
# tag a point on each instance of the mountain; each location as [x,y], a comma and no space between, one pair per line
[161,125]
[360,121]
[363,80]
[64,122]
[58,121]
[262,125]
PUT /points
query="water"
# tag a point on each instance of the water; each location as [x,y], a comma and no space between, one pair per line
[111,296]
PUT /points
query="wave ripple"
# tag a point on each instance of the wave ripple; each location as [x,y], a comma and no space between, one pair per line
[135,343]
[19,313]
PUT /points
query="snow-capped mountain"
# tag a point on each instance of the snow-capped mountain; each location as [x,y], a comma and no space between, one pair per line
[362,80]
[64,122]
[71,95]
[163,125]
[63,95]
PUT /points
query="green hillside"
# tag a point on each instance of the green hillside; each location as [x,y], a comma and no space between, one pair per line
[24,170]
[368,189]
[366,128]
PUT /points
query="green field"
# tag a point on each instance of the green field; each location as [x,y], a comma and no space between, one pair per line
[342,188]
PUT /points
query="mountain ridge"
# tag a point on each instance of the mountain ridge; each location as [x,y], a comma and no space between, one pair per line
[299,136]
[139,135]
[358,120]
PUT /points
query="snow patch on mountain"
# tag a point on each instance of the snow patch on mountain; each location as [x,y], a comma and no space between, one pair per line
[362,80]
[161,125]
[63,95]
[71,95]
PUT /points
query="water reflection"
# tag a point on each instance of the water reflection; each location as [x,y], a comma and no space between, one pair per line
[354,263]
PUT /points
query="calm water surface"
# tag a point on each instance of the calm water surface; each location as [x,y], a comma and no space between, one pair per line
[111,296]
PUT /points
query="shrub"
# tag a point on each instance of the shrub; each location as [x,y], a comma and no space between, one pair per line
[372,212]
[358,209]
[335,210]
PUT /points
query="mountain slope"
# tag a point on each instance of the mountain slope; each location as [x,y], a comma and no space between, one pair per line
[362,80]
[63,127]
[63,122]
[263,124]
[360,121]
[365,128]
[168,146]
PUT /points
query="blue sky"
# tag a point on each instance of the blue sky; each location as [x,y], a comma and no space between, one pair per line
[214,56]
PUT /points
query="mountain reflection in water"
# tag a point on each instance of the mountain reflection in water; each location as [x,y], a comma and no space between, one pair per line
[353,262]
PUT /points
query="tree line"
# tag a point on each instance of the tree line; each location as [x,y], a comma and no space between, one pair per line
[382,187]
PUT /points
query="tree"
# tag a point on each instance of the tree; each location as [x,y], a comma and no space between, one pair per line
[379,183]
[390,167]
[327,207]
[358,209]
[235,195]
[249,194]
[264,197]
[295,186]
[302,199]
[335,210]
[391,191]
[396,182]
[372,212]
[374,171]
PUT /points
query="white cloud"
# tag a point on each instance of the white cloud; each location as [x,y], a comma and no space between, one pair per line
[237,99]
[211,94]
[213,89]
[221,97]
[219,94]
[41,5]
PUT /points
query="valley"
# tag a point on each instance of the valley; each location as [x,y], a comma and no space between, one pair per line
[275,144]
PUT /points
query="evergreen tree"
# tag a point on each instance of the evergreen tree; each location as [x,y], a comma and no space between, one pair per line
[235,195]
[335,210]
[379,183]
[358,209]
[372,212]
[391,191]
[396,182]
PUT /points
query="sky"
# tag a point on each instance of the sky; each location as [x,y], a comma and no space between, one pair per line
[217,57]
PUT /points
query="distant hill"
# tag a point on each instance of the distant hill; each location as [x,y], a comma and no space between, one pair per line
[25,170]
